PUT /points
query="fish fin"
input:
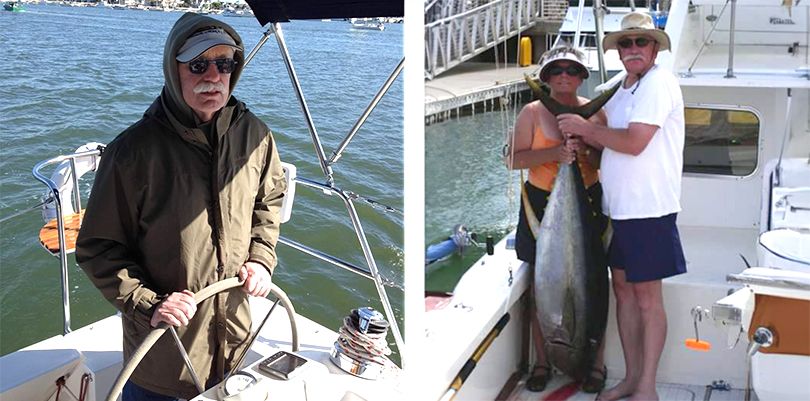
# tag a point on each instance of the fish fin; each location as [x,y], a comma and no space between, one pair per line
[585,111]
[607,236]
[596,104]
[535,87]
[554,107]
[531,217]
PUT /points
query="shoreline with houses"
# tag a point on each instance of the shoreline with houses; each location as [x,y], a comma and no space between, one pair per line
[205,7]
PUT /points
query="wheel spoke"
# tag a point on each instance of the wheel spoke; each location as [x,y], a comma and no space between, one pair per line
[186,359]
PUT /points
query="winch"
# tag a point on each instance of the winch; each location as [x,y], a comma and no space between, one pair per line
[361,348]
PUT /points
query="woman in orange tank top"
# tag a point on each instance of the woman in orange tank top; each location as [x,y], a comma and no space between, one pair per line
[540,147]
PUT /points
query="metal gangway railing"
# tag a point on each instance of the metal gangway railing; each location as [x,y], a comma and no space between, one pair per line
[458,30]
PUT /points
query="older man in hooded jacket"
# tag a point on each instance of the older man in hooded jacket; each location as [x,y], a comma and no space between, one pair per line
[187,196]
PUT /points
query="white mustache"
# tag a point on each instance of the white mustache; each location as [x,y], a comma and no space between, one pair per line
[633,57]
[209,87]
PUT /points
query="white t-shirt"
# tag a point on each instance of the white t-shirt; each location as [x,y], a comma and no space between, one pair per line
[647,185]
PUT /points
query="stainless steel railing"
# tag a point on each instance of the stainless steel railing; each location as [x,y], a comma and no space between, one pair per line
[60,218]
[326,166]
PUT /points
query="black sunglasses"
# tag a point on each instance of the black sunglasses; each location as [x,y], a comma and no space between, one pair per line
[200,65]
[571,70]
[628,43]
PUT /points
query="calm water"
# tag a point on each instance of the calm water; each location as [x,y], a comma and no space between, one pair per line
[466,182]
[75,75]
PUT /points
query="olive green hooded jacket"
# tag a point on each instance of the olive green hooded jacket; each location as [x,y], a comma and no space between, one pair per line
[170,212]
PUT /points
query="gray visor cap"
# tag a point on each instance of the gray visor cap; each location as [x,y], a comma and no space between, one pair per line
[200,42]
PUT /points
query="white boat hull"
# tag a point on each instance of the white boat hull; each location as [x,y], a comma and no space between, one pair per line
[30,373]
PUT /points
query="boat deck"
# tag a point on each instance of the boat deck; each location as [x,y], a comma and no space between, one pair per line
[30,373]
[472,313]
[666,391]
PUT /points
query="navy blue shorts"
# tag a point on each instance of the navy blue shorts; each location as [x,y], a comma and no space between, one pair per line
[646,249]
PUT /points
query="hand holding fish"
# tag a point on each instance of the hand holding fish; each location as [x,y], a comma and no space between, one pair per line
[564,154]
[574,124]
[574,142]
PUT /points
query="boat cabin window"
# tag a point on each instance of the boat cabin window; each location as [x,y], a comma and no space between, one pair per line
[720,141]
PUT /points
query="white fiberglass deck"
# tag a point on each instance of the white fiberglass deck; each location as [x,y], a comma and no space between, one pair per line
[483,295]
[666,392]
[29,374]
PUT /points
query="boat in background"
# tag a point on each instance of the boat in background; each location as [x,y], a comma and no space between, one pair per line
[88,361]
[743,68]
[231,11]
[367,23]
[14,6]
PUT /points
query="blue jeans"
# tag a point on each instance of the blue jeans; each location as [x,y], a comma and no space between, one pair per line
[134,392]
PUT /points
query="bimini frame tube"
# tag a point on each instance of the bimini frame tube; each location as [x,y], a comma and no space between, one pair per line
[374,272]
[282,46]
[60,221]
[578,32]
[730,71]
[329,186]
[258,46]
[598,19]
[361,236]
[336,154]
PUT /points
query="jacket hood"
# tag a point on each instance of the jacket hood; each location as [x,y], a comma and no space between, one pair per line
[183,28]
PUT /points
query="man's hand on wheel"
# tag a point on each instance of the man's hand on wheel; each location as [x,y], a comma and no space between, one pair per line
[257,279]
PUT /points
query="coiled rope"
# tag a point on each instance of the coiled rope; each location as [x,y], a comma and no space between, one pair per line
[366,347]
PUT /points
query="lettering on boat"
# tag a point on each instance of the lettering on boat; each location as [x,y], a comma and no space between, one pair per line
[781,21]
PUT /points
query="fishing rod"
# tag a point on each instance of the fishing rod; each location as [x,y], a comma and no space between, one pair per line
[468,367]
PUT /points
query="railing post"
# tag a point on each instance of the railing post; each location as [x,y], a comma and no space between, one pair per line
[730,71]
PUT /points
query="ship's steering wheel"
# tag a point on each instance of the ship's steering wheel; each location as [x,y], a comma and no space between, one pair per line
[200,296]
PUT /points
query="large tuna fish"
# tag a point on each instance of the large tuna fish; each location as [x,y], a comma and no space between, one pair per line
[571,285]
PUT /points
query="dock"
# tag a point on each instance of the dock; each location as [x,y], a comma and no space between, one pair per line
[474,87]
[472,48]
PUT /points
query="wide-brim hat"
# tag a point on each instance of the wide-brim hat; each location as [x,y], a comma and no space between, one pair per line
[559,53]
[199,42]
[637,23]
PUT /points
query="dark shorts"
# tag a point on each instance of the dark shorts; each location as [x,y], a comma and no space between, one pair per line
[525,243]
[647,249]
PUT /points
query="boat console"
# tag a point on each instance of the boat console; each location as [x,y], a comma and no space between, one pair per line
[773,307]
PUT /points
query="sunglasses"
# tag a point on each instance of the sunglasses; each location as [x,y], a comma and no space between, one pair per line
[571,70]
[200,65]
[628,43]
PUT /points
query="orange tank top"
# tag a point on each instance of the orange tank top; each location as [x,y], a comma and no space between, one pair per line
[542,176]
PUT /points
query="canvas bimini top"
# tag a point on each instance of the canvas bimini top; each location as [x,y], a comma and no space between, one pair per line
[268,11]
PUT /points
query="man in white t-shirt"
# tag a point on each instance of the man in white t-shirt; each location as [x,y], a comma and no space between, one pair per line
[641,169]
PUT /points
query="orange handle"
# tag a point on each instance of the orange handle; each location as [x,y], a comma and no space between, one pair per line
[698,345]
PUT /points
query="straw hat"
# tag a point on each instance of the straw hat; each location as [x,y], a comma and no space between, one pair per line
[558,53]
[637,23]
